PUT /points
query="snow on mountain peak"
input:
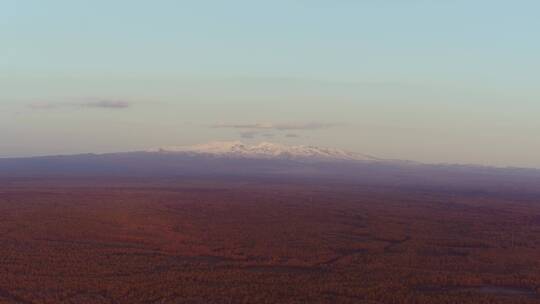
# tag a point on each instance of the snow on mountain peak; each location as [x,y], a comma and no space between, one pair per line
[238,149]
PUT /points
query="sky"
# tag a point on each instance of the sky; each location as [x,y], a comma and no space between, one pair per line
[432,81]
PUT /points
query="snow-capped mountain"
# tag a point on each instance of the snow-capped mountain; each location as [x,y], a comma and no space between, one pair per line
[265,150]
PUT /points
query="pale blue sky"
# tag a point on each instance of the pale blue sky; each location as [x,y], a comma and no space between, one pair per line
[434,81]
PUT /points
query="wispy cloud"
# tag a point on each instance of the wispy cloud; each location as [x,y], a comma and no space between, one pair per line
[255,134]
[108,104]
[279,126]
[249,134]
[291,135]
[101,104]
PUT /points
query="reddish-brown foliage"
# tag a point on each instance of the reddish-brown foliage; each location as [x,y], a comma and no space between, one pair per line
[178,241]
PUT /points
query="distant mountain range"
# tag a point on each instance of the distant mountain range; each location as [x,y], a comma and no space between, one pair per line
[266,150]
[274,162]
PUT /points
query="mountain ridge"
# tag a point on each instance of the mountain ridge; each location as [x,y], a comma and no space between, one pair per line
[265,150]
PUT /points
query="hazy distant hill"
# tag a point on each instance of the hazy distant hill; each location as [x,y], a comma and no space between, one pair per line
[262,161]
